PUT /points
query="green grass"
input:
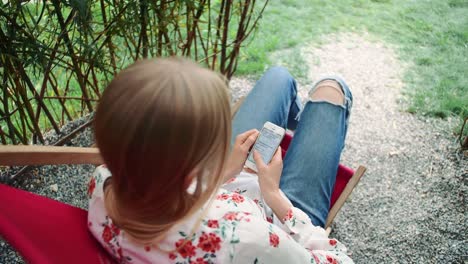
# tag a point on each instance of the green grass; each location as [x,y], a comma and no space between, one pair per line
[431,35]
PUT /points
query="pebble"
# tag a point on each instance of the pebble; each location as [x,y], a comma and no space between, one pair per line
[54,187]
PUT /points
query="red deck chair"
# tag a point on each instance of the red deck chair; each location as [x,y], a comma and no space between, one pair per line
[43,230]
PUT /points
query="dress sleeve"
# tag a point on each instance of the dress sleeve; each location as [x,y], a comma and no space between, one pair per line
[97,180]
[262,242]
[301,229]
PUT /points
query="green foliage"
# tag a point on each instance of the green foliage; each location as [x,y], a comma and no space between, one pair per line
[57,56]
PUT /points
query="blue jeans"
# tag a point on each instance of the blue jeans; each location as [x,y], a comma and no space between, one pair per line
[311,162]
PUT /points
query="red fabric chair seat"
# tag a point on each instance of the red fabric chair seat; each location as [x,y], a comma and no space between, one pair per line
[43,230]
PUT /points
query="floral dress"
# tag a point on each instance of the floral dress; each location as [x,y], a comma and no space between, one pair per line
[238,227]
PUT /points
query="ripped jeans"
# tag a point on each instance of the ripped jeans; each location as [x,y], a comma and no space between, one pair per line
[311,162]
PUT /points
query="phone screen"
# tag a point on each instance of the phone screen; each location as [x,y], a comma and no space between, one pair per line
[266,145]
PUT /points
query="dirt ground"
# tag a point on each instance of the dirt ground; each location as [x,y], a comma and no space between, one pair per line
[410,205]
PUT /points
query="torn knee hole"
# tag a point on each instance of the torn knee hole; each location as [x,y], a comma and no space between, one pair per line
[329,91]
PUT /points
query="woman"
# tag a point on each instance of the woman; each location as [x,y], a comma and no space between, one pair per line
[163,128]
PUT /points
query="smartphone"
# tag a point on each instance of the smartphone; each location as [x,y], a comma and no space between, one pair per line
[266,144]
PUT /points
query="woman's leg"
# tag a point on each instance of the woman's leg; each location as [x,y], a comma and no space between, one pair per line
[312,159]
[274,98]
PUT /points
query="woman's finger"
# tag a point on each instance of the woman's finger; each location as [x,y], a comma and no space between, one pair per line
[258,159]
[249,170]
[241,138]
[250,141]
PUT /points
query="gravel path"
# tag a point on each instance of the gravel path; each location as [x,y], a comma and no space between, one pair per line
[410,205]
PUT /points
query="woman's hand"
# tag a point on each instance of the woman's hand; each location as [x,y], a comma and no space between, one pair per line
[269,179]
[269,174]
[239,153]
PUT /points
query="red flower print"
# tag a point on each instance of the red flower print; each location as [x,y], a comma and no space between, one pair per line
[255,201]
[119,252]
[230,216]
[185,248]
[213,223]
[274,240]
[237,198]
[314,255]
[269,219]
[223,196]
[199,261]
[91,186]
[209,242]
[288,215]
[115,230]
[107,234]
[331,260]
[332,242]
[147,248]
[172,256]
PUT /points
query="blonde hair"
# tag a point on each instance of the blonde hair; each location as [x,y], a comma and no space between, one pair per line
[158,122]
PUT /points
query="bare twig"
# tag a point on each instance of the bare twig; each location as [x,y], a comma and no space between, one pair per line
[463,142]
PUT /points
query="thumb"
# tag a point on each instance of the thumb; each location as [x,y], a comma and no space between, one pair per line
[258,159]
[278,155]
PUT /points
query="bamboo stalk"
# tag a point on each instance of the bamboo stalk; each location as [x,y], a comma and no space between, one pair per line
[144,24]
[12,131]
[7,115]
[108,40]
[70,98]
[62,102]
[208,34]
[239,37]
[66,38]
[3,138]
[218,32]
[29,110]
[31,87]
[159,14]
[45,79]
[224,37]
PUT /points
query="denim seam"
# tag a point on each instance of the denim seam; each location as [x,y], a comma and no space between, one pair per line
[296,101]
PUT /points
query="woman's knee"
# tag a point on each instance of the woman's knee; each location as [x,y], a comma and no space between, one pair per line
[328,90]
[280,78]
[279,71]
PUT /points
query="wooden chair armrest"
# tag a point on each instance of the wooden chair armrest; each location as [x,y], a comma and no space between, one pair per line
[344,195]
[12,155]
